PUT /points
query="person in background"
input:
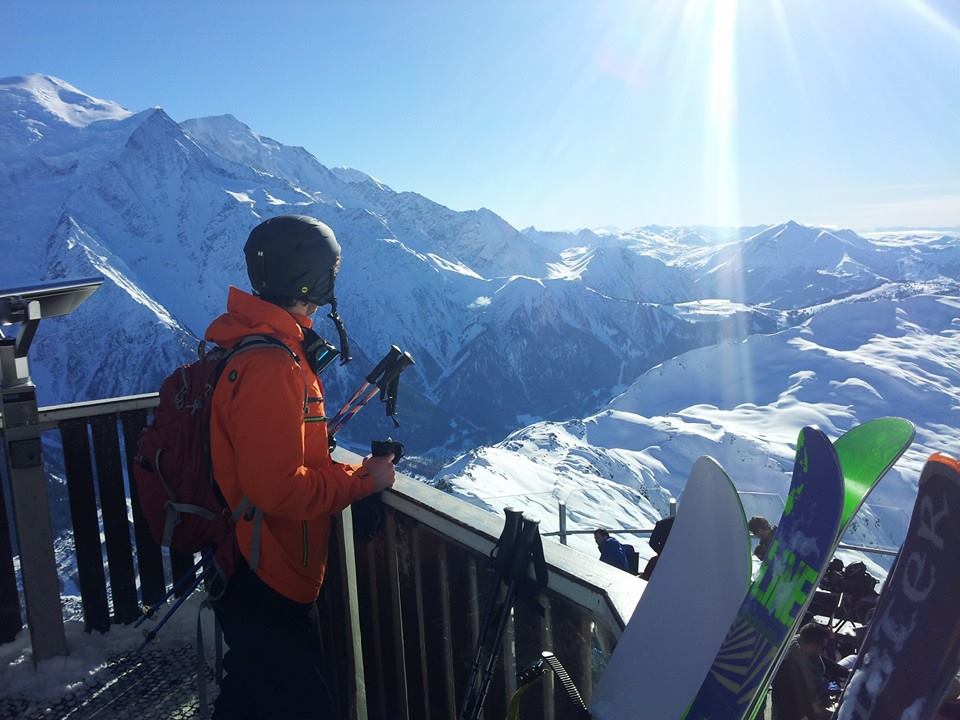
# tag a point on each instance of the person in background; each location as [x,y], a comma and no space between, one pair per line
[658,541]
[611,551]
[798,686]
[760,528]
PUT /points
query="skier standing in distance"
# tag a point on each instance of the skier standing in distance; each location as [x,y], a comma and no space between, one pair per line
[269,448]
[611,551]
[760,527]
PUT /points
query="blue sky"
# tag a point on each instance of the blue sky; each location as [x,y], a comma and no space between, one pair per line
[561,114]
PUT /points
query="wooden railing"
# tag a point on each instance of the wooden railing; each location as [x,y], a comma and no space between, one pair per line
[98,441]
[407,580]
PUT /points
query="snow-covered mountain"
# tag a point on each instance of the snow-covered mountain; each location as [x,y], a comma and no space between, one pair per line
[508,327]
[792,265]
[497,322]
[743,403]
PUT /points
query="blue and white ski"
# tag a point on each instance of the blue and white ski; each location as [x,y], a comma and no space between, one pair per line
[912,649]
[788,577]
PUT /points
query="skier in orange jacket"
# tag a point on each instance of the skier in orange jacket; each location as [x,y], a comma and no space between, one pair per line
[270,453]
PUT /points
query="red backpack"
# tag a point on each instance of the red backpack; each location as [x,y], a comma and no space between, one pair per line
[178,493]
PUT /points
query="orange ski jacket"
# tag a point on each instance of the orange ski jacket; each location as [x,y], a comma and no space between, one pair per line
[268,443]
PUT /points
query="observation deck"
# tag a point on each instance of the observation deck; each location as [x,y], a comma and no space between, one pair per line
[401,605]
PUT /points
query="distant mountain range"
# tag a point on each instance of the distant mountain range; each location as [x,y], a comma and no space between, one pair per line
[502,327]
[508,327]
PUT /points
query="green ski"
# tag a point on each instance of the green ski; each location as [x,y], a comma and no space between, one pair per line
[866,453]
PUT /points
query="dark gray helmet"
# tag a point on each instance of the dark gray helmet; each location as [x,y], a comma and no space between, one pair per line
[293,257]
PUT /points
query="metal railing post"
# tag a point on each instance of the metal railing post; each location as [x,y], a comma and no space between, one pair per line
[562,507]
[31,513]
[26,307]
[673,507]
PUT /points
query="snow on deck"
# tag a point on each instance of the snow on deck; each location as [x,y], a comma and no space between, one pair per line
[159,683]
[105,676]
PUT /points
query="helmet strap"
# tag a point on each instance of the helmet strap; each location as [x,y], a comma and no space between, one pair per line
[319,352]
[345,355]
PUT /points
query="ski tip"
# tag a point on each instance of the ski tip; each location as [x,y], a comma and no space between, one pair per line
[943,459]
[811,433]
[706,463]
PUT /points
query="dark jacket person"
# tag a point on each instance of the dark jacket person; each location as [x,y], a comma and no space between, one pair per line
[611,551]
[800,680]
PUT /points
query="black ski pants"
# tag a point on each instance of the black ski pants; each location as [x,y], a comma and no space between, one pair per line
[274,667]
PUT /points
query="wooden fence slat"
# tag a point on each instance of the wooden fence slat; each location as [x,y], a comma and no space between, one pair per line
[421,607]
[86,529]
[334,623]
[436,613]
[546,643]
[437,666]
[116,527]
[371,615]
[400,700]
[149,555]
[461,621]
[412,626]
[11,621]
[528,626]
[443,566]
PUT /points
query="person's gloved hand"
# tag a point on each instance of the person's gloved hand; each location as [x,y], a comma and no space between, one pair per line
[381,470]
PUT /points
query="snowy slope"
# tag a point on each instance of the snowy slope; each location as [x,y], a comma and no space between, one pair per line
[744,403]
[620,272]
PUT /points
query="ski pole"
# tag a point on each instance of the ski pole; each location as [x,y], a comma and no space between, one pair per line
[150,610]
[388,359]
[149,636]
[519,562]
[518,572]
[379,380]
[501,554]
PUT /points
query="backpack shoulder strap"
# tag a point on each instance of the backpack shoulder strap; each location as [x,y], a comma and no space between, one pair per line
[245,508]
[252,342]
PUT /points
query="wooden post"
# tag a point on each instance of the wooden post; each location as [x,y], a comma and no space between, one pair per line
[116,527]
[149,555]
[86,528]
[401,702]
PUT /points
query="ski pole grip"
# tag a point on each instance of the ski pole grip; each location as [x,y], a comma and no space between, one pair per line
[385,362]
[508,539]
[521,557]
[381,448]
[392,372]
